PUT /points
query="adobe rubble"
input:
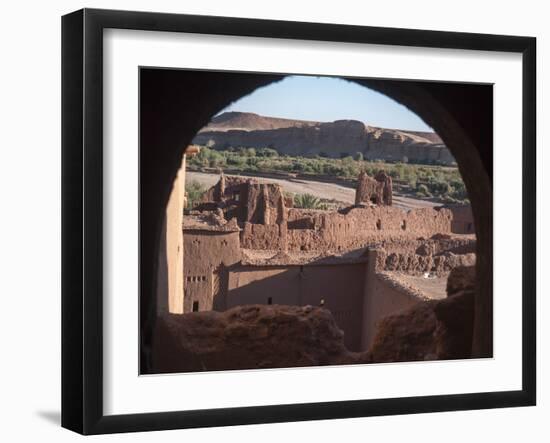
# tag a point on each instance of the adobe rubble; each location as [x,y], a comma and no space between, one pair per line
[377,190]
[245,337]
[245,199]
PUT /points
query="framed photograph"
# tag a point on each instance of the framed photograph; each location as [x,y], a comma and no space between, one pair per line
[269,221]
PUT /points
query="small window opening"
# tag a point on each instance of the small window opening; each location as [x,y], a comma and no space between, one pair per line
[322,302]
[195,306]
[379,224]
[469,227]
[269,300]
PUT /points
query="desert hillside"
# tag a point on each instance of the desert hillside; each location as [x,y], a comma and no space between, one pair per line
[248,121]
[333,139]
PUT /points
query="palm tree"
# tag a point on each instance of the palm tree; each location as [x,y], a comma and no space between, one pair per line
[307,201]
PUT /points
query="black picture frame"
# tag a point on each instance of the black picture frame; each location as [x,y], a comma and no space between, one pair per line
[82,218]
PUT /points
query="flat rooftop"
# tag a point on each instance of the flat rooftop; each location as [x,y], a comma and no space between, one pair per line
[430,288]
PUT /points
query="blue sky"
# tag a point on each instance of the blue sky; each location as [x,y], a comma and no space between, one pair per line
[327,99]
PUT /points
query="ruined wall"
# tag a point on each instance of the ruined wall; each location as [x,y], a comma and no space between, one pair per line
[227,188]
[265,204]
[338,288]
[338,231]
[436,244]
[246,200]
[230,194]
[170,259]
[377,190]
[438,255]
[420,264]
[207,255]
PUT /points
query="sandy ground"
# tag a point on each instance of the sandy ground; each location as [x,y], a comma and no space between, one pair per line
[318,189]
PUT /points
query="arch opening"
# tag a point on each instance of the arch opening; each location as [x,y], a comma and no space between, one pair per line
[407,93]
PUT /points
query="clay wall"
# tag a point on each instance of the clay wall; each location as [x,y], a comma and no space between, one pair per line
[265,237]
[463,219]
[437,244]
[420,264]
[229,193]
[198,291]
[382,297]
[207,255]
[337,231]
[338,288]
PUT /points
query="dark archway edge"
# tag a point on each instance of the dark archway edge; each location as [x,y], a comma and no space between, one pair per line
[175,104]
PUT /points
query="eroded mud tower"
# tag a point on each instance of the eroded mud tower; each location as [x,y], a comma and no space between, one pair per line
[377,190]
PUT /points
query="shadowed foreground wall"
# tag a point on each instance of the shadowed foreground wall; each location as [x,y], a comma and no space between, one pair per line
[169,291]
[277,336]
[382,298]
[338,288]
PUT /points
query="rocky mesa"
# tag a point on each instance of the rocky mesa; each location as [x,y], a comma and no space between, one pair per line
[332,139]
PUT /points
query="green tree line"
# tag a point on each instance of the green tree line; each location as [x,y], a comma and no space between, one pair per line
[424,181]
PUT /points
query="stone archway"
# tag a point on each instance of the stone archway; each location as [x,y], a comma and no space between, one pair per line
[460,114]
